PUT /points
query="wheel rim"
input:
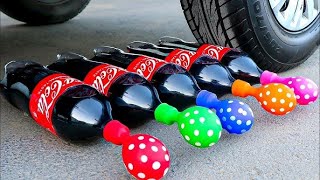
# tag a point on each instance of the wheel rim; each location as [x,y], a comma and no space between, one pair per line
[295,15]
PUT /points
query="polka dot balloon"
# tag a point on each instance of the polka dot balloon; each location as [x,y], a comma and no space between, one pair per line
[275,98]
[144,156]
[306,91]
[236,117]
[199,126]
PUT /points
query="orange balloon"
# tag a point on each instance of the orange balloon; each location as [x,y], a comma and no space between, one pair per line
[275,98]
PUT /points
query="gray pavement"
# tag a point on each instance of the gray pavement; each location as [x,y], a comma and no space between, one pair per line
[277,147]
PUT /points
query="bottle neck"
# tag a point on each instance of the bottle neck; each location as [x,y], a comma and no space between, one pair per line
[77,68]
[122,60]
[152,51]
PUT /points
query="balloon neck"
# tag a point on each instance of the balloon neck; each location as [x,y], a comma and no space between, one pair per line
[207,99]
[268,77]
[242,89]
[166,114]
[115,132]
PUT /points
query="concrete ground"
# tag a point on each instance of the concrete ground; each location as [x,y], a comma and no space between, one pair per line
[277,147]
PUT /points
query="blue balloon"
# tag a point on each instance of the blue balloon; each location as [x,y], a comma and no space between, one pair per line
[236,117]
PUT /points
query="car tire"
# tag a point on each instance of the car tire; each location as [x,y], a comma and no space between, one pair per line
[40,12]
[253,27]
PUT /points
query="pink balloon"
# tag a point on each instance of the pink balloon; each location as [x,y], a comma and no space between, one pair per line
[305,90]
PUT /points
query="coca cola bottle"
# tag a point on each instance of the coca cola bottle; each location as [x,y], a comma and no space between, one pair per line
[174,84]
[63,105]
[240,65]
[209,74]
[132,97]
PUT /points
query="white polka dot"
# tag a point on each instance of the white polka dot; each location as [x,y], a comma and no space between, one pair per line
[218,122]
[307,96]
[288,95]
[211,144]
[282,101]
[210,111]
[244,113]
[221,110]
[142,146]
[166,157]
[290,82]
[197,144]
[164,148]
[274,99]
[144,158]
[315,94]
[229,127]
[230,102]
[210,133]
[202,119]
[156,165]
[220,134]
[224,118]
[187,114]
[293,77]
[290,104]
[140,137]
[141,175]
[187,138]
[260,103]
[196,132]
[292,89]
[229,110]
[191,121]
[131,146]
[298,80]
[130,166]
[276,84]
[309,86]
[302,87]
[243,131]
[240,110]
[266,86]
[273,110]
[165,171]
[260,94]
[152,140]
[232,118]
[297,96]
[248,123]
[268,93]
[196,112]
[241,103]
[182,126]
[265,102]
[239,122]
[281,109]
[154,149]
[280,90]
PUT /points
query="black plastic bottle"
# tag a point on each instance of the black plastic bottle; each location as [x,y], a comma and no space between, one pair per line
[174,84]
[240,65]
[132,97]
[63,105]
[209,74]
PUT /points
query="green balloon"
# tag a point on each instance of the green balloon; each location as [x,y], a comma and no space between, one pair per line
[199,126]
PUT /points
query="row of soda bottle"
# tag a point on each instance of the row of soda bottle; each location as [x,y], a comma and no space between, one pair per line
[73,96]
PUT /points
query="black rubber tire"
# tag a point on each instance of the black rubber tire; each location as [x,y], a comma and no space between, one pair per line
[38,13]
[251,26]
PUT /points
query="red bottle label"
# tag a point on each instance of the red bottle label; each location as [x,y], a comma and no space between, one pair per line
[216,52]
[45,95]
[103,76]
[145,66]
[182,58]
